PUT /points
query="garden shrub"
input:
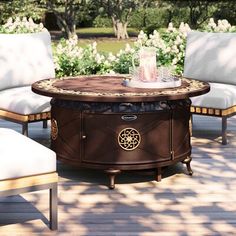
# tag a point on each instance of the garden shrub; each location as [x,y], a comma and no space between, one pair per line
[123,61]
[102,21]
[169,43]
[156,19]
[220,26]
[19,25]
[72,60]
[179,15]
[149,19]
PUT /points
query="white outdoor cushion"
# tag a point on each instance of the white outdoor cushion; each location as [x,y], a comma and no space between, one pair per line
[221,96]
[23,101]
[211,57]
[21,156]
[25,58]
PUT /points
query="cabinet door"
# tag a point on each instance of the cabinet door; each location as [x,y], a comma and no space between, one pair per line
[123,139]
[66,142]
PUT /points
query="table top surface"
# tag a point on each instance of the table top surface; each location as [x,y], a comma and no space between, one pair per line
[110,88]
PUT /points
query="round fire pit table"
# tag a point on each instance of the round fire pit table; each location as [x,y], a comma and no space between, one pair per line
[97,122]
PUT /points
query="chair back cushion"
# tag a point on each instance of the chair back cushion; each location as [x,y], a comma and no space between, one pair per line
[25,58]
[211,57]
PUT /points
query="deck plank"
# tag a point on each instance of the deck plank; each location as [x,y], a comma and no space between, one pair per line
[204,204]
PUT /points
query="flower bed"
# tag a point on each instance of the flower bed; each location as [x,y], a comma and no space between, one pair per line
[169,43]
[71,60]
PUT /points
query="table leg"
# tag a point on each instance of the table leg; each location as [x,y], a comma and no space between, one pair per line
[187,162]
[158,174]
[112,174]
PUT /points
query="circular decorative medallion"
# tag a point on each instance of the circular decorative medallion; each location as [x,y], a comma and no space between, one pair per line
[129,139]
[54,129]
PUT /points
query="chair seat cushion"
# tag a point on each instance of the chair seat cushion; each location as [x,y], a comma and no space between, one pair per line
[21,156]
[23,101]
[221,96]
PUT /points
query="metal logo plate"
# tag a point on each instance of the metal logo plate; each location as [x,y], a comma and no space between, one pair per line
[129,117]
[129,139]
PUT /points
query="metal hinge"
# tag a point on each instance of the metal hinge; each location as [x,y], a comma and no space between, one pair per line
[172,155]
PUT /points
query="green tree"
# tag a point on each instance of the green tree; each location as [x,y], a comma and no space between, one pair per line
[67,13]
[150,16]
[226,10]
[120,13]
[20,8]
[199,11]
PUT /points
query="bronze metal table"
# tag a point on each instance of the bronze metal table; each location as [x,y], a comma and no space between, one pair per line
[99,123]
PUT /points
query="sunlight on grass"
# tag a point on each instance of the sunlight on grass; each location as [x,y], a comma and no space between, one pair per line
[95,31]
[106,41]
[105,38]
[113,46]
[92,31]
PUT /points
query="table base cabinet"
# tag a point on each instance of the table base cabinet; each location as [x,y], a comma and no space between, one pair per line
[121,136]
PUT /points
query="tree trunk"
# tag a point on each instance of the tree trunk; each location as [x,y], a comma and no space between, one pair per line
[121,30]
[72,30]
[114,26]
[65,21]
[67,28]
[169,17]
[125,30]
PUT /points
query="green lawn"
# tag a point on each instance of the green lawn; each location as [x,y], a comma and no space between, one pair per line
[102,32]
[107,45]
[106,41]
[105,38]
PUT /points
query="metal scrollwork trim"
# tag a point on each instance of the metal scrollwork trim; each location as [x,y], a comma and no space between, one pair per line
[54,129]
[129,139]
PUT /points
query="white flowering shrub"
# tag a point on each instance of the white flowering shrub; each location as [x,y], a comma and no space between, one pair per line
[23,25]
[123,60]
[220,26]
[169,44]
[71,60]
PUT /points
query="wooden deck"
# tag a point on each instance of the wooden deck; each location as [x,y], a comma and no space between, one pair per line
[204,204]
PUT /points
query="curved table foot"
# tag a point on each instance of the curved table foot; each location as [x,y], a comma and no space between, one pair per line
[112,174]
[158,174]
[187,162]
